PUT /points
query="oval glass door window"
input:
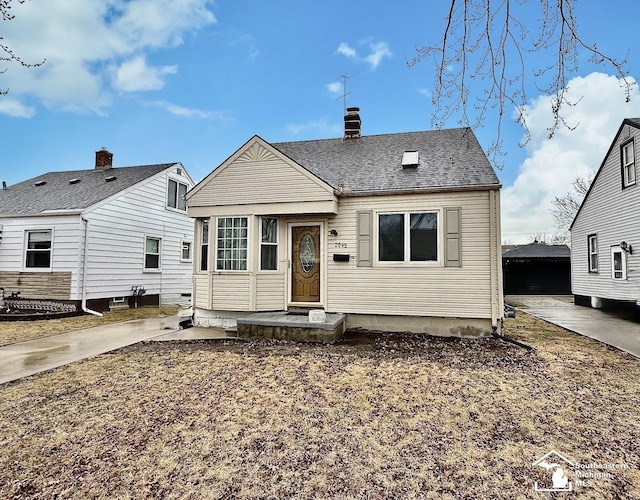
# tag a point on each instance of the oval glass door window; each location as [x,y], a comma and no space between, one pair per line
[307,254]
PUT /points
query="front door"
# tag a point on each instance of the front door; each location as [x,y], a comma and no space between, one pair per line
[305,263]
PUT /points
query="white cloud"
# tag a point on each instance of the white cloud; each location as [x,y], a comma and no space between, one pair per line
[134,75]
[335,88]
[15,108]
[321,126]
[185,112]
[377,52]
[346,50]
[552,164]
[82,40]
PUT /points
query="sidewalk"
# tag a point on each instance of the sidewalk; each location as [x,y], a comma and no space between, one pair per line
[600,325]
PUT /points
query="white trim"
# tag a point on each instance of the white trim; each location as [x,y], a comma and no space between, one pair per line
[323,264]
[178,182]
[215,248]
[25,244]
[623,262]
[190,243]
[590,253]
[407,239]
[276,244]
[144,254]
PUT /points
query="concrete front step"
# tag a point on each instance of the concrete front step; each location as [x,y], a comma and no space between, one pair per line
[282,325]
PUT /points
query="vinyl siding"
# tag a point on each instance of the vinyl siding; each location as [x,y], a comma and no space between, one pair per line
[413,289]
[116,241]
[419,289]
[270,292]
[231,292]
[610,212]
[201,293]
[64,257]
[258,176]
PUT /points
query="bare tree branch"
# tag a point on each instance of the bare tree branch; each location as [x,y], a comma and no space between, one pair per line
[566,207]
[488,41]
[7,55]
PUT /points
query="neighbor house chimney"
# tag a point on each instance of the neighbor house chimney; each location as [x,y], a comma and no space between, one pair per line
[104,159]
[352,124]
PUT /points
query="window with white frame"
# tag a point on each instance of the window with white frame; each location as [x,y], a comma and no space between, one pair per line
[268,244]
[204,244]
[628,164]
[38,251]
[185,251]
[592,250]
[176,192]
[618,263]
[232,243]
[152,253]
[408,237]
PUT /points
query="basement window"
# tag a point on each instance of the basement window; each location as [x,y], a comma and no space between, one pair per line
[409,159]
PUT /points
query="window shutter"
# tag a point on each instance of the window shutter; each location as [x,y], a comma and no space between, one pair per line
[365,239]
[453,241]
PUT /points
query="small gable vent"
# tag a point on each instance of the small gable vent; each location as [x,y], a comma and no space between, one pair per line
[179,171]
[40,183]
[410,159]
[110,178]
[74,181]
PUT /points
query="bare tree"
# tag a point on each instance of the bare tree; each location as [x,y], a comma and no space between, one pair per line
[549,239]
[8,56]
[488,41]
[566,207]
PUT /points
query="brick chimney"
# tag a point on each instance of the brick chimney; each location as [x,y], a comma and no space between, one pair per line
[352,123]
[104,159]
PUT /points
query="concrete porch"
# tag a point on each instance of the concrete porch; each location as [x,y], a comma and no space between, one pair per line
[283,325]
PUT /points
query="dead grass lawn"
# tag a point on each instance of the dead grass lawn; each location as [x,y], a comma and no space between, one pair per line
[384,416]
[17,331]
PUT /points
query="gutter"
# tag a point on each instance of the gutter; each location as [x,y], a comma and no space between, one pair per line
[84,269]
[346,191]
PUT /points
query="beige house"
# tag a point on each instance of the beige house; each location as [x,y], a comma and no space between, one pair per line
[399,232]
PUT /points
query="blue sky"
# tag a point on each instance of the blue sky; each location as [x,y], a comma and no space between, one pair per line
[157,81]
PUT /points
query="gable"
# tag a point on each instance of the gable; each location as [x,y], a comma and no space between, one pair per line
[259,174]
[606,191]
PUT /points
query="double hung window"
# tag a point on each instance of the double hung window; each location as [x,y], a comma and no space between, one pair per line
[152,253]
[628,164]
[268,244]
[592,250]
[38,252]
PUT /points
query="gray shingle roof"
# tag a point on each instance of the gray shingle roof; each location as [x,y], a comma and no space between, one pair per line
[538,251]
[25,198]
[448,159]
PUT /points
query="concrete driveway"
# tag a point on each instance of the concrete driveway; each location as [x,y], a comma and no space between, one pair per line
[34,356]
[604,326]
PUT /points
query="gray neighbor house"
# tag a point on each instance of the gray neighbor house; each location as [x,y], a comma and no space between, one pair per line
[605,234]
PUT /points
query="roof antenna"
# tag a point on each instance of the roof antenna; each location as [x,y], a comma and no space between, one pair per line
[344,95]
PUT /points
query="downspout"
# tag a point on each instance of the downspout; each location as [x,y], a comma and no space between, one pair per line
[84,269]
[495,259]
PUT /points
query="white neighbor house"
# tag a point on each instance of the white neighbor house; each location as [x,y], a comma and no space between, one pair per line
[95,236]
[605,234]
[398,231]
